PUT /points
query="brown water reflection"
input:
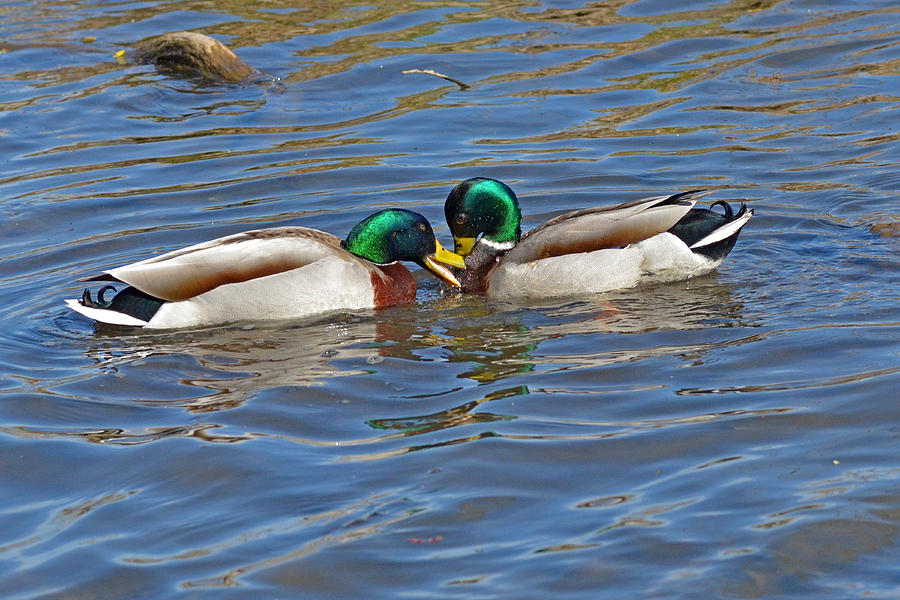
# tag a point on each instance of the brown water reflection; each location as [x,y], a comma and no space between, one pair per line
[734,435]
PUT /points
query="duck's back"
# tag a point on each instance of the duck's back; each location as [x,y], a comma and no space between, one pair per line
[278,273]
[602,227]
[329,283]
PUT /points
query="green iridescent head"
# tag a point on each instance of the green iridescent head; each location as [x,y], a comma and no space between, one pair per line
[482,207]
[396,234]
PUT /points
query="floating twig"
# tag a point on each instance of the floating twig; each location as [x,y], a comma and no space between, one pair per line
[436,74]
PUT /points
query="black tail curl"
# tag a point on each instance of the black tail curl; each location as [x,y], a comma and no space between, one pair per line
[101,302]
[729,212]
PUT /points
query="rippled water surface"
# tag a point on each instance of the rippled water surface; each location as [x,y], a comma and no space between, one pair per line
[736,435]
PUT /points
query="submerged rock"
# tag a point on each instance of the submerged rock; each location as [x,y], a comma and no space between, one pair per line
[190,54]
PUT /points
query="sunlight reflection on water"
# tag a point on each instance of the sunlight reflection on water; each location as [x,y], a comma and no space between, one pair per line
[732,435]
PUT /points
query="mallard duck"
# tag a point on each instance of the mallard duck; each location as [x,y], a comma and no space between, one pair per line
[278,273]
[588,251]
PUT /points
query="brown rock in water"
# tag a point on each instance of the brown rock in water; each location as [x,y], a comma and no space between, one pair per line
[194,55]
[886,229]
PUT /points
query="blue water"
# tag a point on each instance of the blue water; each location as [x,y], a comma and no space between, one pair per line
[736,435]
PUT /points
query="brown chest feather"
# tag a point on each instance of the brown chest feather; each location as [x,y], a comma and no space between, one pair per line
[393,284]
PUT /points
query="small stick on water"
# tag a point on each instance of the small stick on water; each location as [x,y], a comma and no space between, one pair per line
[436,74]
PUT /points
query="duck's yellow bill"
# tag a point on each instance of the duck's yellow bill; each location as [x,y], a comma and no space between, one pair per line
[441,271]
[448,258]
[463,245]
[433,264]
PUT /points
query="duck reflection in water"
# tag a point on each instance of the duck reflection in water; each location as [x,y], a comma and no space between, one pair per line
[495,346]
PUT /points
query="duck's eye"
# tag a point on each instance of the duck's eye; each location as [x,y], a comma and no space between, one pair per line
[422,227]
[461,218]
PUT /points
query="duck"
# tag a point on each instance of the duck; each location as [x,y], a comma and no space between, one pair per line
[588,251]
[275,273]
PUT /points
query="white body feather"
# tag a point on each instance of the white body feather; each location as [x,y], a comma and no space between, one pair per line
[659,259]
[328,284]
[104,316]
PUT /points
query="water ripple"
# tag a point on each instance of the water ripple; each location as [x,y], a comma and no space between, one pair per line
[732,435]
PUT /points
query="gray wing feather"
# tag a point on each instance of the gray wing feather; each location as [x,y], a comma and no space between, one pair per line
[592,229]
[188,272]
